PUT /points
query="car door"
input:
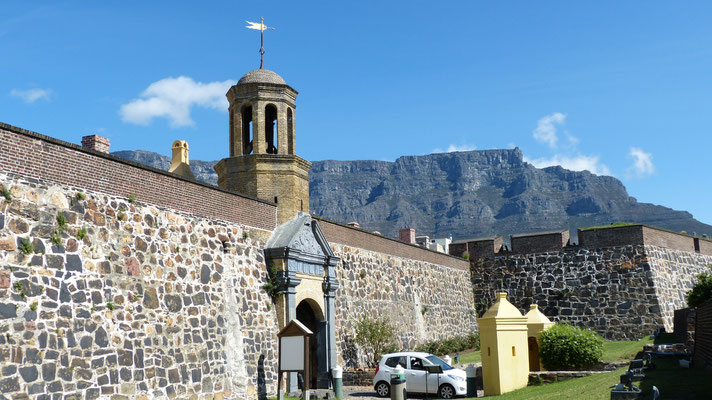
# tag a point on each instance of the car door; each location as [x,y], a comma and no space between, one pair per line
[415,375]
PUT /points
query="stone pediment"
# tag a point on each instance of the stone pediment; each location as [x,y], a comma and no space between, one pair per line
[300,239]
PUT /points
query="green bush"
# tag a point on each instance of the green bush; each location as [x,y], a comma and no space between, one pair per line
[451,345]
[565,347]
[701,291]
[375,336]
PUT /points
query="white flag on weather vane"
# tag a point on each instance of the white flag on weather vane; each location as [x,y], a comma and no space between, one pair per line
[260,26]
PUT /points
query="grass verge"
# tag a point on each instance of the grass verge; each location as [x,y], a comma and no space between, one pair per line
[612,351]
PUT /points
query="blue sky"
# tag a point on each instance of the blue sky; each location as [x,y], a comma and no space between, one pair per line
[620,88]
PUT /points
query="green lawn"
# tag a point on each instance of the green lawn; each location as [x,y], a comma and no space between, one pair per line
[612,351]
[624,350]
[592,387]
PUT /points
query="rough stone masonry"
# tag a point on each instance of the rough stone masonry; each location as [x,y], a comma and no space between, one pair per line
[150,289]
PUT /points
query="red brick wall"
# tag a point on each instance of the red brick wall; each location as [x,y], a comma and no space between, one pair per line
[477,248]
[609,237]
[705,246]
[703,335]
[670,240]
[346,235]
[539,242]
[639,234]
[32,155]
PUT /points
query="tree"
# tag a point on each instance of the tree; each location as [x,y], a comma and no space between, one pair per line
[375,335]
[701,291]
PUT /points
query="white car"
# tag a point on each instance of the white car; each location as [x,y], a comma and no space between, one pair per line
[448,384]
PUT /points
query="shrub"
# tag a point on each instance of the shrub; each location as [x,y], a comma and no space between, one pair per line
[272,285]
[26,246]
[701,291]
[6,194]
[56,238]
[82,233]
[451,345]
[80,195]
[564,347]
[375,336]
[61,221]
[466,255]
[132,198]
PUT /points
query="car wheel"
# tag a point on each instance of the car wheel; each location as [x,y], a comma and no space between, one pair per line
[446,392]
[383,389]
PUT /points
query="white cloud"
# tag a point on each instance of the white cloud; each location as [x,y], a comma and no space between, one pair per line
[173,98]
[30,96]
[642,163]
[573,163]
[456,147]
[545,131]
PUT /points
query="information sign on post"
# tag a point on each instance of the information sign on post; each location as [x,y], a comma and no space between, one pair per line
[294,352]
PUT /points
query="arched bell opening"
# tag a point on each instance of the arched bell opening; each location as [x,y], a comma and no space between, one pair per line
[271,128]
[247,132]
[290,131]
[310,314]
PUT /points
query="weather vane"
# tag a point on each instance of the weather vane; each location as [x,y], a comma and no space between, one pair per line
[261,27]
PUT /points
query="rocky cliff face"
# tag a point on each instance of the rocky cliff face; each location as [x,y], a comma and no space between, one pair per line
[465,194]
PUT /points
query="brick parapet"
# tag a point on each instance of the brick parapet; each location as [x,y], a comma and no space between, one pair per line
[477,248]
[539,242]
[33,155]
[355,237]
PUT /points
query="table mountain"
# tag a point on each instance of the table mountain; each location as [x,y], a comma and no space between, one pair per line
[464,194]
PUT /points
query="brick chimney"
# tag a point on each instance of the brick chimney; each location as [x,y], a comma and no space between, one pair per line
[407,235]
[96,143]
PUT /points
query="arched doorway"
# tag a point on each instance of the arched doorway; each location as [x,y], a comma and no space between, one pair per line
[310,314]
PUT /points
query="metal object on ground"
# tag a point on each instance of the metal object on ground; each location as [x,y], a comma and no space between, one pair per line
[337,382]
[471,381]
[398,391]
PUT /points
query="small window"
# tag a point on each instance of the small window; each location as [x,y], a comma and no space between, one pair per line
[416,364]
[394,361]
[488,352]
[514,351]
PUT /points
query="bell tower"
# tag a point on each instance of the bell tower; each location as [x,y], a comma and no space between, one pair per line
[262,160]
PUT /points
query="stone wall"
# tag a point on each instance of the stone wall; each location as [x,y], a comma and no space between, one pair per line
[622,292]
[703,335]
[684,326]
[675,273]
[152,288]
[424,301]
[128,299]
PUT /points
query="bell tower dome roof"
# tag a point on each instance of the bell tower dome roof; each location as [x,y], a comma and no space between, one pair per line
[261,75]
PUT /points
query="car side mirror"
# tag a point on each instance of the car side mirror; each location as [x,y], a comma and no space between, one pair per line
[434,369]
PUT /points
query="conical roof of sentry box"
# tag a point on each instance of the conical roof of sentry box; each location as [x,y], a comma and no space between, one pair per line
[502,308]
[534,316]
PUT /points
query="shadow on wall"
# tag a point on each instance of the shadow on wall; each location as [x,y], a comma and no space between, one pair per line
[349,352]
[261,381]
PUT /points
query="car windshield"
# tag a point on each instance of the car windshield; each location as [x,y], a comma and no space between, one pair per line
[436,361]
